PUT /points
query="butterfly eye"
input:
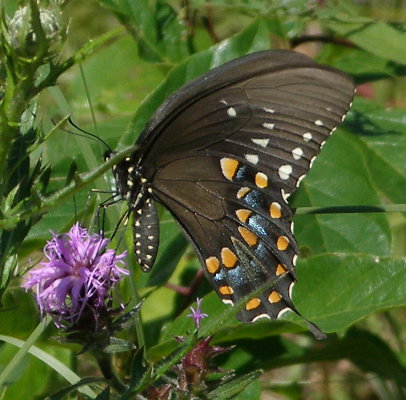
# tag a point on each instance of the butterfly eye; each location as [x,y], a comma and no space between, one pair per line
[223,155]
[107,155]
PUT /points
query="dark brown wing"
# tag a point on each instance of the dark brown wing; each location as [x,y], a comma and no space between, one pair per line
[224,154]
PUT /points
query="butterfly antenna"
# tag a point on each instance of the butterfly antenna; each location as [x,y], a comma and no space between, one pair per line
[95,137]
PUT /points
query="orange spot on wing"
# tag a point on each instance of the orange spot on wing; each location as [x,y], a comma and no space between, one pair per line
[274,297]
[242,192]
[280,270]
[243,215]
[253,303]
[212,264]
[226,290]
[228,258]
[228,167]
[250,238]
[282,243]
[261,180]
[275,210]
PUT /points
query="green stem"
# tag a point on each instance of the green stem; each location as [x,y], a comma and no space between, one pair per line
[87,50]
[382,208]
[13,365]
[104,361]
[139,328]
[80,182]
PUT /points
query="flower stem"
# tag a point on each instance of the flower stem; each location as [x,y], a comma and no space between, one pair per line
[104,361]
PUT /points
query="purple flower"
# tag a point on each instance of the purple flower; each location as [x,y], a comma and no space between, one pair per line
[197,315]
[77,278]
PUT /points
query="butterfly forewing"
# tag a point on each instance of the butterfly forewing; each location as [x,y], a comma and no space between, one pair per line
[224,153]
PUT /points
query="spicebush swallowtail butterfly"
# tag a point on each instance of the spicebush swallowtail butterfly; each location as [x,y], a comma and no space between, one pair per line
[223,154]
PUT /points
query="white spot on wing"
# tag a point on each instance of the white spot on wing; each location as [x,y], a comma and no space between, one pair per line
[283,311]
[261,316]
[226,301]
[294,260]
[231,112]
[252,158]
[261,142]
[268,125]
[284,171]
[307,136]
[291,289]
[299,180]
[269,110]
[297,153]
[312,161]
[223,101]
[318,122]
[285,196]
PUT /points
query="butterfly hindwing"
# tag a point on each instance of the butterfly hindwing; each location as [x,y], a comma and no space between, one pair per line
[237,241]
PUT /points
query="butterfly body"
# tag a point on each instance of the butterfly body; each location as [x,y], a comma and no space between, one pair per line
[223,154]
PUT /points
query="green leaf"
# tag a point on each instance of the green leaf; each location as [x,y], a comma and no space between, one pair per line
[115,92]
[366,350]
[138,369]
[360,64]
[250,392]
[6,273]
[377,37]
[127,319]
[335,291]
[340,177]
[104,395]
[235,386]
[253,38]
[160,32]
[61,394]
[51,361]
[117,345]
[372,354]
[382,133]
[167,261]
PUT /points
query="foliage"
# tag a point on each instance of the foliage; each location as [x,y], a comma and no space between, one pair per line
[351,279]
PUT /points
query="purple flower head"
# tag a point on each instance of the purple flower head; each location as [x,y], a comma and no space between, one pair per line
[77,278]
[197,314]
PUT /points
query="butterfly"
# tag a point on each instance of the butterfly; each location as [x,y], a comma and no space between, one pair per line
[223,154]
